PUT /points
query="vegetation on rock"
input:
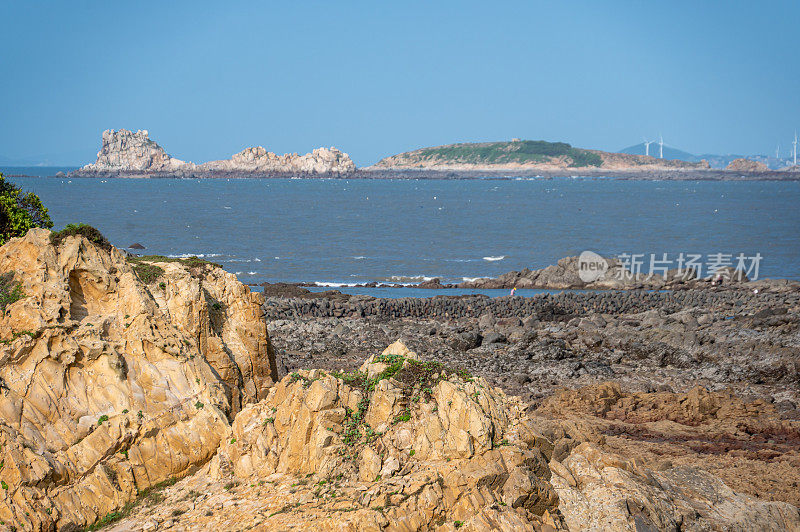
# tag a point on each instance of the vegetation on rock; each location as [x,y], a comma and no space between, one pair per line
[19,211]
[10,290]
[87,231]
[189,262]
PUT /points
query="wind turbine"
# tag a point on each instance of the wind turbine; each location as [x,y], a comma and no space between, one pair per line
[778,151]
[794,144]
[661,146]
[647,144]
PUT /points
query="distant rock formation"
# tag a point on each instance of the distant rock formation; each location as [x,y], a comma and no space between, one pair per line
[124,150]
[747,165]
[125,153]
[565,275]
[258,159]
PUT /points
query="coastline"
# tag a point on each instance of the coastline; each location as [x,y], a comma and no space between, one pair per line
[455,174]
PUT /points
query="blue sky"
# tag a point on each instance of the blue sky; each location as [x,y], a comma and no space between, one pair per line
[210,78]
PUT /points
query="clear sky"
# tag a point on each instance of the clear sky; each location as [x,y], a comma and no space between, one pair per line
[375,78]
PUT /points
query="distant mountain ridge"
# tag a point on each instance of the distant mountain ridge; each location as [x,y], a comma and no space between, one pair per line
[714,160]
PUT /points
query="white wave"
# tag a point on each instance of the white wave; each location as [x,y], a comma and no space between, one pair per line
[492,259]
[198,255]
[359,257]
[409,278]
[332,284]
[256,259]
[251,273]
[470,279]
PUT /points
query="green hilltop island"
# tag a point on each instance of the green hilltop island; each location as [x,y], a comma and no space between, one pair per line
[526,154]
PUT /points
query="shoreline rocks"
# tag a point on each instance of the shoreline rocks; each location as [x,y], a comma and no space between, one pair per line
[122,374]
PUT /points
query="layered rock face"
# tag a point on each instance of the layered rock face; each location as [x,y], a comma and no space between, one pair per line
[257,159]
[110,386]
[124,150]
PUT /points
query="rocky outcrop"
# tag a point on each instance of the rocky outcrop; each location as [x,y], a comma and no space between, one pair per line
[748,444]
[257,159]
[425,444]
[110,385]
[125,153]
[404,444]
[124,150]
[599,490]
[747,165]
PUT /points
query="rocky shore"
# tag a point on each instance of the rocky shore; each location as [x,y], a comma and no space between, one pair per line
[161,394]
[700,378]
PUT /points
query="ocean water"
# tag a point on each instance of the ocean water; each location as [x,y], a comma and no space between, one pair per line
[342,232]
[35,171]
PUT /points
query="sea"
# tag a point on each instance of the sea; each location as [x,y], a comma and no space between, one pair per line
[340,232]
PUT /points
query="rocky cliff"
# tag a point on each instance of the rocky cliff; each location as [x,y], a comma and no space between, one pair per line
[124,153]
[111,385]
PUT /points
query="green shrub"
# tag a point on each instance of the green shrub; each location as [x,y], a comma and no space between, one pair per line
[10,291]
[148,273]
[189,262]
[89,232]
[101,419]
[20,211]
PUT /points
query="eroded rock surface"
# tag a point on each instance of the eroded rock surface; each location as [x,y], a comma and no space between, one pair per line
[403,444]
[110,386]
